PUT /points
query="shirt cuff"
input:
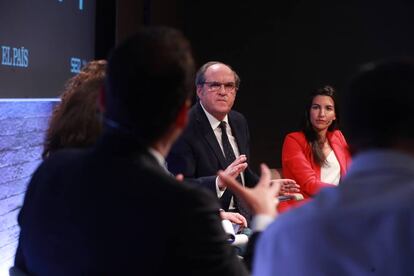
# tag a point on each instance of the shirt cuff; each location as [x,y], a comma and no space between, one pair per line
[218,191]
[260,222]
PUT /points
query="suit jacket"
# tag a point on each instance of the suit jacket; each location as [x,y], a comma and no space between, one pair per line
[298,163]
[112,210]
[198,156]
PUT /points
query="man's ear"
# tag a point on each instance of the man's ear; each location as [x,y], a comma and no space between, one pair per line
[101,100]
[182,117]
[199,90]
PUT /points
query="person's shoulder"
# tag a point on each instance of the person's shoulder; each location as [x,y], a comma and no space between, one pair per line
[296,135]
[68,162]
[196,195]
[310,216]
[237,118]
[184,201]
[195,115]
[297,232]
[236,115]
[58,171]
[183,193]
[195,111]
[293,219]
[337,133]
[338,136]
[65,157]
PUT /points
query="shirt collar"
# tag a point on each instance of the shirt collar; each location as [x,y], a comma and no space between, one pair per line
[158,156]
[214,123]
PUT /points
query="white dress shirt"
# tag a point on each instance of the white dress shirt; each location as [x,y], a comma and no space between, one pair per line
[215,126]
[160,159]
[331,170]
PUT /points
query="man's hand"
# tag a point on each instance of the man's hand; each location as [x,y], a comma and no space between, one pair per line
[179,177]
[235,218]
[287,188]
[233,170]
[262,198]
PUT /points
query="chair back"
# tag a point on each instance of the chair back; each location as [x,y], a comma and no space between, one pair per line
[15,271]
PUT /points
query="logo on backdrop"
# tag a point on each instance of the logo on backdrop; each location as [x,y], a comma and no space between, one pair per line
[80,4]
[14,57]
[76,64]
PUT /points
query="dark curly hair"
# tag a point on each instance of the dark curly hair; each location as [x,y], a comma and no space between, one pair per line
[75,121]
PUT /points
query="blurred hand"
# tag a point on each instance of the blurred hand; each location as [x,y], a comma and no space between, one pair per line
[179,177]
[233,170]
[262,198]
[235,218]
[287,187]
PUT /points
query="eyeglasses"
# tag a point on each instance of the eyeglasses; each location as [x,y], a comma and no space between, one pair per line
[216,86]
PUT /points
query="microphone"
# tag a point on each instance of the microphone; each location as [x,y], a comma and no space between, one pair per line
[295,197]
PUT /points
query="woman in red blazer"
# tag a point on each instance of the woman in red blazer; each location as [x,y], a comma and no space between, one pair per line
[318,155]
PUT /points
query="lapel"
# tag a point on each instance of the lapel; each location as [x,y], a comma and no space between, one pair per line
[337,147]
[236,128]
[208,134]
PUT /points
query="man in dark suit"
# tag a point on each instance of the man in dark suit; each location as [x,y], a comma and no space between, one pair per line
[201,151]
[114,209]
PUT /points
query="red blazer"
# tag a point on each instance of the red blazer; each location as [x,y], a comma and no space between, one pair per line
[298,163]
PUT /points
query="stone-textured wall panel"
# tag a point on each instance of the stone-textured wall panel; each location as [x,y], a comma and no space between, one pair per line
[12,157]
[26,139]
[17,171]
[12,188]
[26,108]
[22,130]
[17,126]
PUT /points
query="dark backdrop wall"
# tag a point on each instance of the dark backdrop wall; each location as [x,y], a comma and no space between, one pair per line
[283,49]
[42,44]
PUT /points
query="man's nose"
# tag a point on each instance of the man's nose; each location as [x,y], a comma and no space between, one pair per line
[222,89]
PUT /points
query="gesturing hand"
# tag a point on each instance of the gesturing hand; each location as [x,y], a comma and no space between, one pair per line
[287,187]
[235,218]
[262,198]
[179,177]
[233,170]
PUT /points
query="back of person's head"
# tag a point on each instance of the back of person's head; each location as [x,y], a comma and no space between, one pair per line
[75,121]
[378,108]
[149,78]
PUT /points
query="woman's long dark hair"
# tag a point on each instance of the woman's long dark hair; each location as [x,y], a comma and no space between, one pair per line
[307,128]
[75,121]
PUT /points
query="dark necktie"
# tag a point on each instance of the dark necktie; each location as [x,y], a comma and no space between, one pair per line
[227,149]
[230,157]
